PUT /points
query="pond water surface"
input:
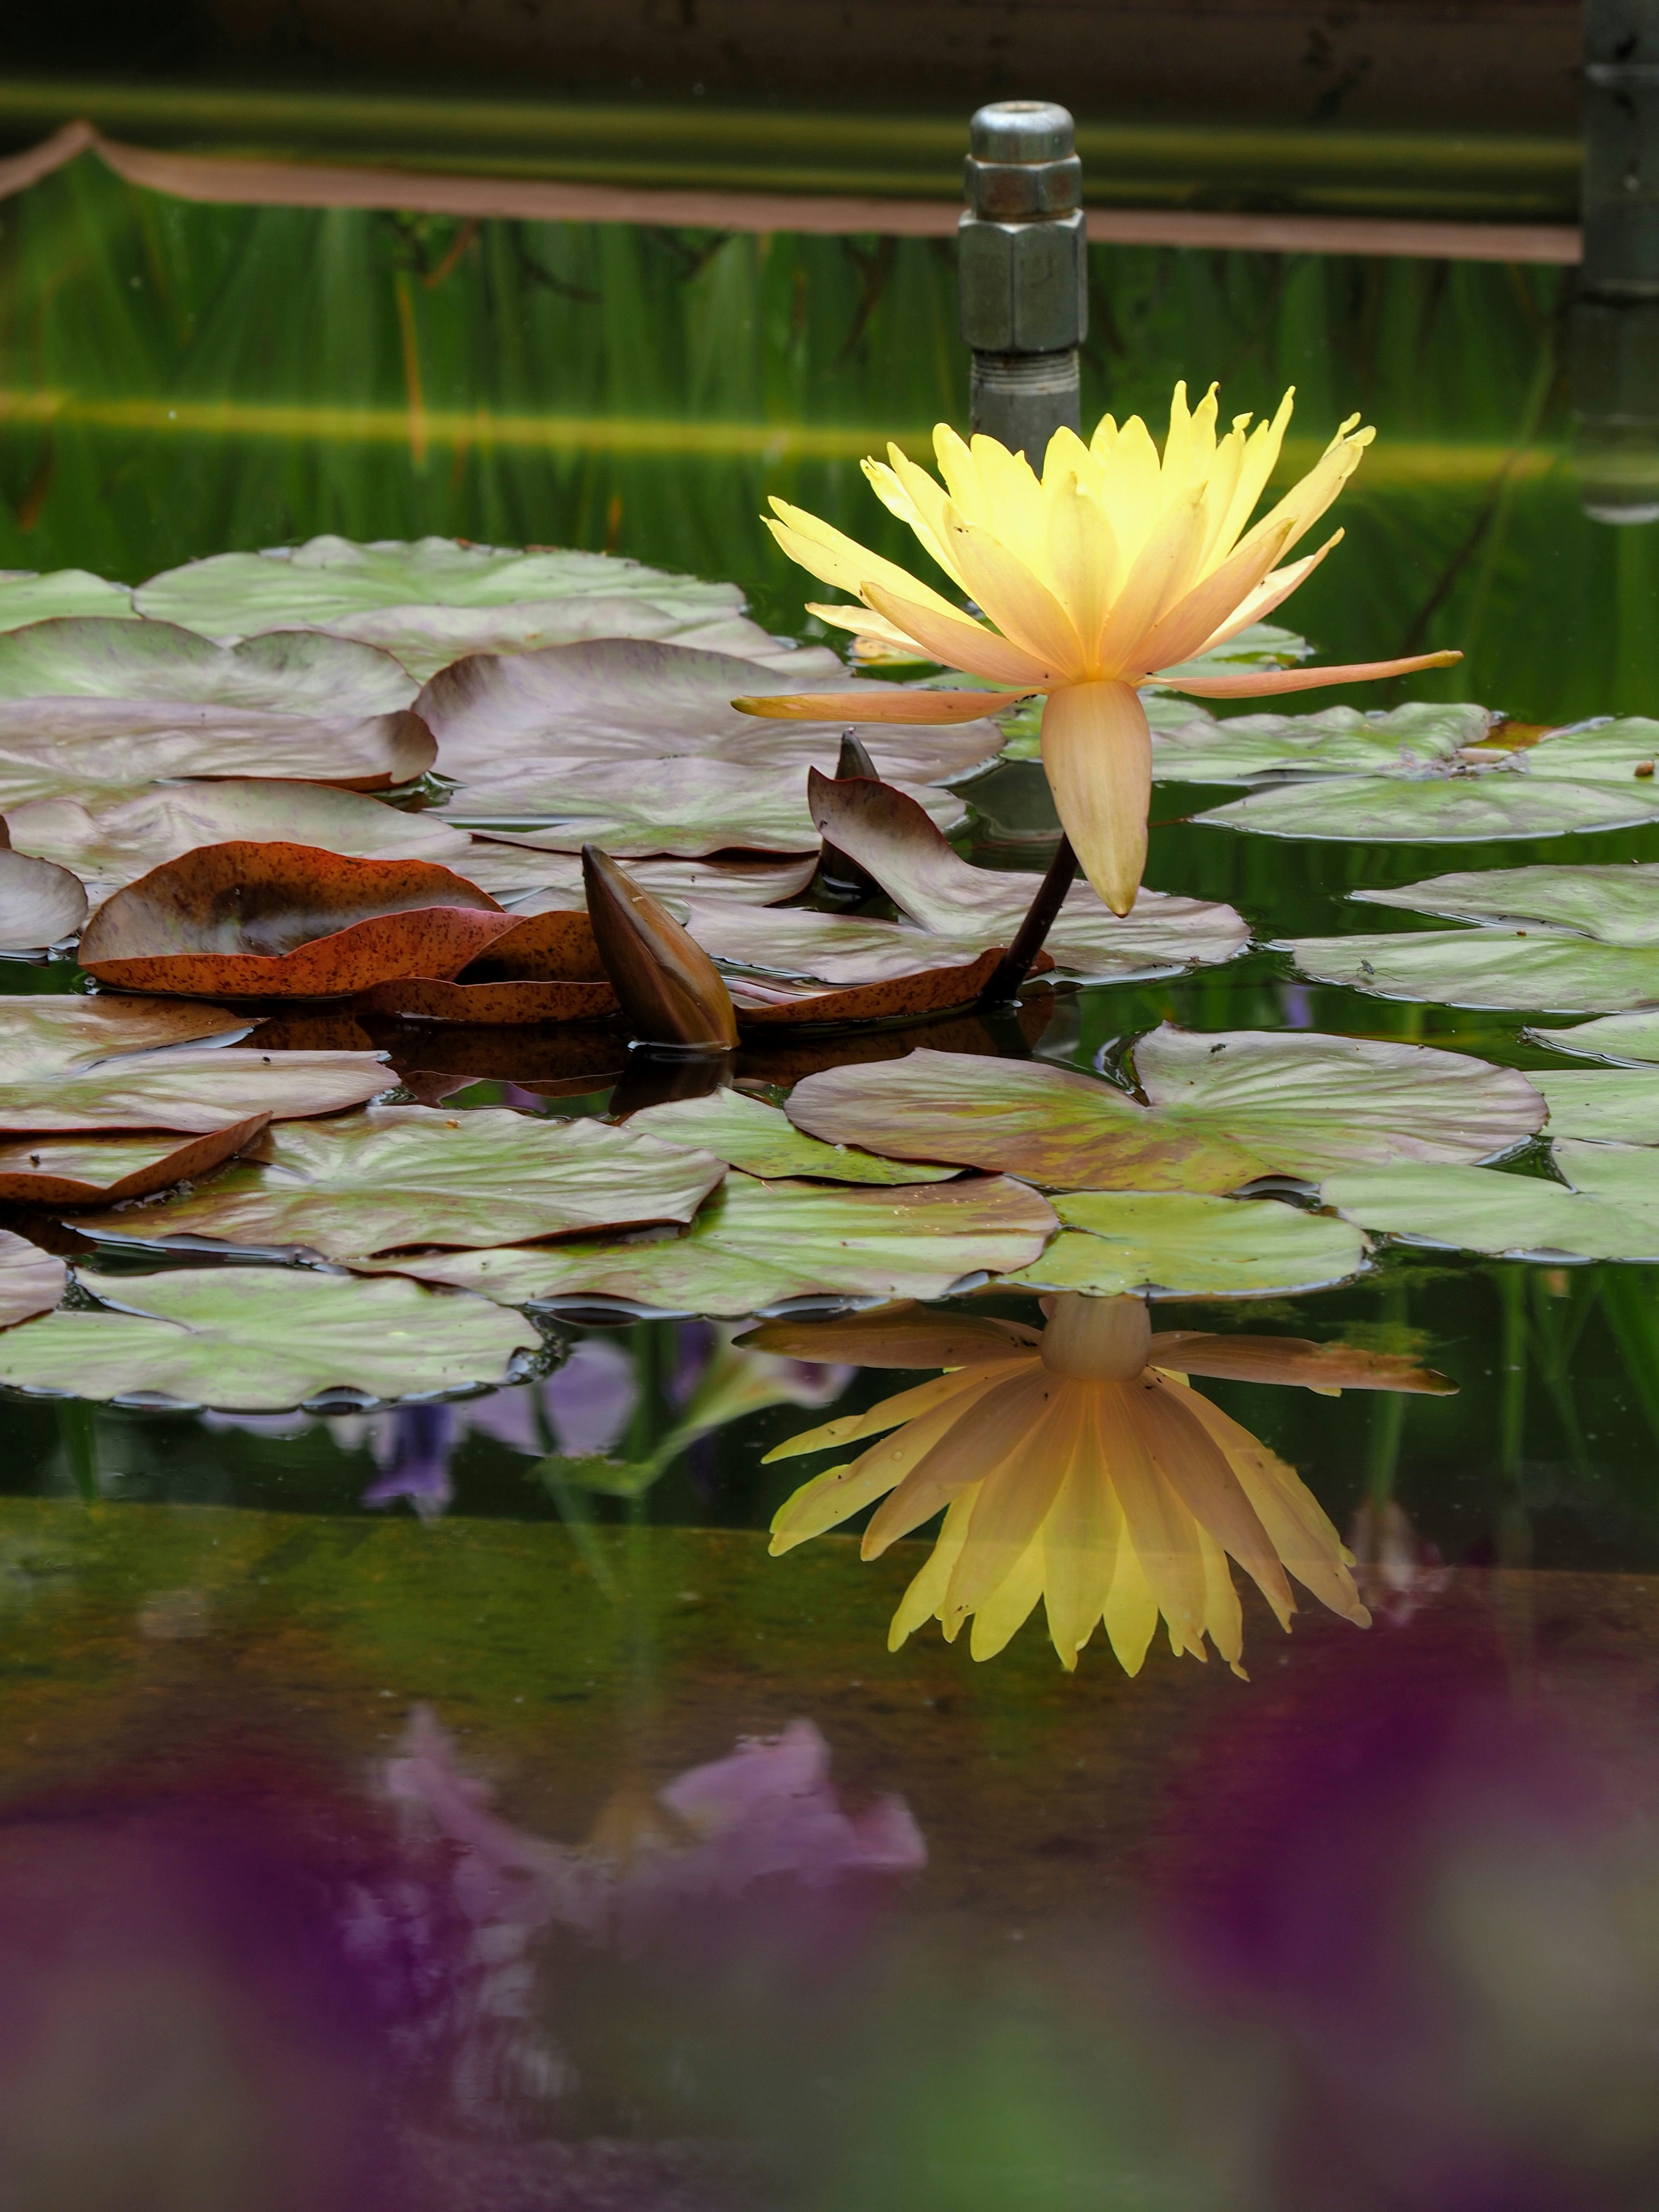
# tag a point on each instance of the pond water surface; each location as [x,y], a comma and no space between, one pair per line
[453,1804]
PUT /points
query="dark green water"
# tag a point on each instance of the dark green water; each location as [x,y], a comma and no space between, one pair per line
[1374,1929]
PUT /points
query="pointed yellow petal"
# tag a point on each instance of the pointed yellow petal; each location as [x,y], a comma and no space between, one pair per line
[1260,455]
[1014,1502]
[1272,592]
[912,495]
[863,623]
[998,1430]
[1306,500]
[1271,683]
[1189,1460]
[1158,1525]
[1022,607]
[1080,1544]
[892,1413]
[873,706]
[1082,563]
[1224,1617]
[1178,635]
[835,559]
[1130,1609]
[1010,1605]
[1015,512]
[956,642]
[925,1599]
[1146,589]
[1097,754]
[1133,480]
[960,471]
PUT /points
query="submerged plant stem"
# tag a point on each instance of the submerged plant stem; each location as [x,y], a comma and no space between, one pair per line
[1016,963]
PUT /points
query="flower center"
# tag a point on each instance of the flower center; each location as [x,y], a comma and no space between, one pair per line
[1097,1339]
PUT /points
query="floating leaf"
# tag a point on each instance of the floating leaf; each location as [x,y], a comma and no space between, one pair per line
[1466,803]
[114,841]
[801,943]
[1335,741]
[48,1171]
[61,1035]
[1486,968]
[25,596]
[271,920]
[1615,905]
[258,1339]
[1180,1245]
[555,945]
[432,600]
[1612,1105]
[40,904]
[1222,1110]
[297,674]
[410,1175]
[756,1244]
[1608,1208]
[31,1281]
[747,1135]
[1618,1037]
[193,1089]
[490,1005]
[1620,751]
[923,991]
[514,729]
[749,881]
[885,832]
[683,807]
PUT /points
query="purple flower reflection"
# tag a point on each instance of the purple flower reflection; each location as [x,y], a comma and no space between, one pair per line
[587,1403]
[412,1445]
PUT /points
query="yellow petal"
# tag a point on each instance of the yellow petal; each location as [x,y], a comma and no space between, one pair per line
[1133,482]
[1082,563]
[997,1430]
[892,1413]
[1146,589]
[1010,1605]
[1014,1502]
[960,471]
[1224,1617]
[925,1599]
[912,495]
[1097,754]
[1130,1608]
[956,642]
[873,706]
[1178,635]
[1198,1472]
[1271,683]
[1015,511]
[1079,1543]
[1272,592]
[859,619]
[834,558]
[1306,500]
[1022,606]
[1158,1525]
[1261,450]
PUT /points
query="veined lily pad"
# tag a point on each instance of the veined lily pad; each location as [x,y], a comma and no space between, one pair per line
[1619,1038]
[190,1089]
[411,1176]
[748,880]
[26,596]
[62,1036]
[1620,751]
[87,748]
[682,806]
[432,600]
[762,1003]
[747,1135]
[56,1171]
[1613,904]
[514,729]
[1458,803]
[31,1281]
[112,840]
[1609,1105]
[1609,1208]
[298,673]
[800,942]
[256,1339]
[1486,968]
[265,921]
[757,1244]
[40,904]
[885,832]
[1179,1244]
[1335,741]
[1222,1110]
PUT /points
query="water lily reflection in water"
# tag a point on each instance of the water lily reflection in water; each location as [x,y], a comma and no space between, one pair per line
[1079,1466]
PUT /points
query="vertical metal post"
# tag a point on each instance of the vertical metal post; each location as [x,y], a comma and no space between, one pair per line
[1024,273]
[1614,337]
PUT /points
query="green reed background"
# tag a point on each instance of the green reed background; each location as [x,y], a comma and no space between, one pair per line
[660,382]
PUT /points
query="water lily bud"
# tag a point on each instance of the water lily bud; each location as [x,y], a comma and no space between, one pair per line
[670,991]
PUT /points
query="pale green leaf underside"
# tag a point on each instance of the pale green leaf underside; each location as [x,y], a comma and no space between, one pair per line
[1179,1244]
[1611,1210]
[1487,968]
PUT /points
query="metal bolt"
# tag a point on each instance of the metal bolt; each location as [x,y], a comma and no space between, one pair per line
[1024,276]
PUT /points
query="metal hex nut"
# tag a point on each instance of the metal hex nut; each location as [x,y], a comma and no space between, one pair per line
[1024,285]
[1014,191]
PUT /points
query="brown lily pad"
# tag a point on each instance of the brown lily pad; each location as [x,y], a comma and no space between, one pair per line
[31,1281]
[53,1035]
[105,1170]
[193,1089]
[292,921]
[768,1005]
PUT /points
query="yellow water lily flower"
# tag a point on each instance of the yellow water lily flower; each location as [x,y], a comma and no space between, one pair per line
[1077,1465]
[1107,572]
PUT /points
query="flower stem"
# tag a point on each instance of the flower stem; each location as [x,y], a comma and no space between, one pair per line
[1016,963]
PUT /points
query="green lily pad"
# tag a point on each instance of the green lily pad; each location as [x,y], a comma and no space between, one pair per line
[63,1036]
[1616,751]
[756,1245]
[1463,804]
[431,600]
[1606,1208]
[888,834]
[31,1281]
[298,673]
[411,1176]
[1259,645]
[260,1340]
[1613,904]
[40,904]
[1335,741]
[113,840]
[826,948]
[1486,968]
[1617,1037]
[1222,1110]
[747,1134]
[1607,1105]
[60,1171]
[512,728]
[189,1089]
[26,596]
[1181,1244]
[683,807]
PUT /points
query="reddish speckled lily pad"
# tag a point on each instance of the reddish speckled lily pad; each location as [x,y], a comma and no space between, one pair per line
[105,1170]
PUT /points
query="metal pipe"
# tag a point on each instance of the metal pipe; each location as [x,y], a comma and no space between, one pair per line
[1024,273]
